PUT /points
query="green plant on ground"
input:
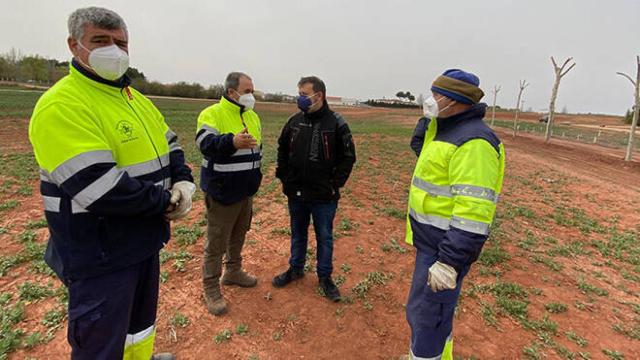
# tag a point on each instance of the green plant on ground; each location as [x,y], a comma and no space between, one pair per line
[223,336]
[242,329]
[371,279]
[10,316]
[277,335]
[30,291]
[33,339]
[613,354]
[588,288]
[548,262]
[37,224]
[54,317]
[632,332]
[187,235]
[489,314]
[493,255]
[556,308]
[179,320]
[582,342]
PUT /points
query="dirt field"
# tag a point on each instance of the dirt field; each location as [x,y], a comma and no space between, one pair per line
[559,277]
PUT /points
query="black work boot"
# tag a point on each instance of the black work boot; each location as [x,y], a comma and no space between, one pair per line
[330,289]
[286,277]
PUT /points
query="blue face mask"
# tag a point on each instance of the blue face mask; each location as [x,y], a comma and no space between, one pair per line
[304,102]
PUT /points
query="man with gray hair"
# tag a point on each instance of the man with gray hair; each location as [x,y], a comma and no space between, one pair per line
[112,178]
[229,137]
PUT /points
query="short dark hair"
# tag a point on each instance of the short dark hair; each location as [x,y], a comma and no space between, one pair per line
[316,82]
[233,80]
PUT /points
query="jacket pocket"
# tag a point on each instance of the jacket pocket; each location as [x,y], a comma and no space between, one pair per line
[328,143]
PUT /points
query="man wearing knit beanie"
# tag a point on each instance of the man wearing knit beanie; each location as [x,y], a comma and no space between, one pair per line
[452,202]
[456,91]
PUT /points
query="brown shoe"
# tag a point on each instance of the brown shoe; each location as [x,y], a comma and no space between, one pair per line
[240,278]
[215,304]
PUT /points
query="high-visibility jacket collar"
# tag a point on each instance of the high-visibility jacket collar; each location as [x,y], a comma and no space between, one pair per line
[476,111]
[78,71]
[229,105]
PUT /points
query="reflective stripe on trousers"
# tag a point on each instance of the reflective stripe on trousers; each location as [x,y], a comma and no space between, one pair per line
[139,346]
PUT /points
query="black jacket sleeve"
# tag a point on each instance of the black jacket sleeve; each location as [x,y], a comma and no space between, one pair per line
[212,144]
[282,165]
[418,135]
[125,196]
[346,155]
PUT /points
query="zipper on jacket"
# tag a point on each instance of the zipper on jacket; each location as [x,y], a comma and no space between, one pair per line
[128,93]
[308,148]
[327,153]
[253,162]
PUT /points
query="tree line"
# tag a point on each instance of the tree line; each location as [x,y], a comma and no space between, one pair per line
[38,70]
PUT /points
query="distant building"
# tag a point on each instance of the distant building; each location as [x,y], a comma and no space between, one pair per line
[393,102]
[288,98]
[338,100]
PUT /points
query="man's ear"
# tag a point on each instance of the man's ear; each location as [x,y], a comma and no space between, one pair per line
[73,46]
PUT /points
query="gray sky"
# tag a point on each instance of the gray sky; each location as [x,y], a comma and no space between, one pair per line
[366,49]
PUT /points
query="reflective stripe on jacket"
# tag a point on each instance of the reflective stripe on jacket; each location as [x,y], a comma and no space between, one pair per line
[455,187]
[107,159]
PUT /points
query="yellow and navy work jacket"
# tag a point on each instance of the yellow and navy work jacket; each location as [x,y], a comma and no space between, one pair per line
[455,188]
[107,159]
[228,175]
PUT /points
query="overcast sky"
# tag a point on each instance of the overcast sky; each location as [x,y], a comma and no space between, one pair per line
[366,49]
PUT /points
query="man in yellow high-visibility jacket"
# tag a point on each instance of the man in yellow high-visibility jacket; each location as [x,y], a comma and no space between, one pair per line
[112,177]
[452,202]
[229,136]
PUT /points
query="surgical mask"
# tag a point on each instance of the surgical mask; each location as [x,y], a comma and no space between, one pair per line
[247,100]
[304,102]
[109,62]
[431,109]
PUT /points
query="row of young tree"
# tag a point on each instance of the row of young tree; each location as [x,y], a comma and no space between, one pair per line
[631,117]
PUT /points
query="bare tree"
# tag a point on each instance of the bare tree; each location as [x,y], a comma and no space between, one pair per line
[523,85]
[560,72]
[496,90]
[636,109]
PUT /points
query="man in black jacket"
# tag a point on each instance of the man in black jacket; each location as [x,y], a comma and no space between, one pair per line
[315,157]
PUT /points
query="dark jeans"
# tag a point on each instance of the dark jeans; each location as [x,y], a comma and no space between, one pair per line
[322,213]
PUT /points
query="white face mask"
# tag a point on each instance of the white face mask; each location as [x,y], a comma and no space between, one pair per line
[431,109]
[109,62]
[247,100]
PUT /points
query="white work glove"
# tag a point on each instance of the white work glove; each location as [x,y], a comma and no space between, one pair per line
[181,194]
[442,277]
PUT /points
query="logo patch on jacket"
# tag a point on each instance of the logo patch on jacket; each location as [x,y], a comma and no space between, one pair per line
[126,131]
